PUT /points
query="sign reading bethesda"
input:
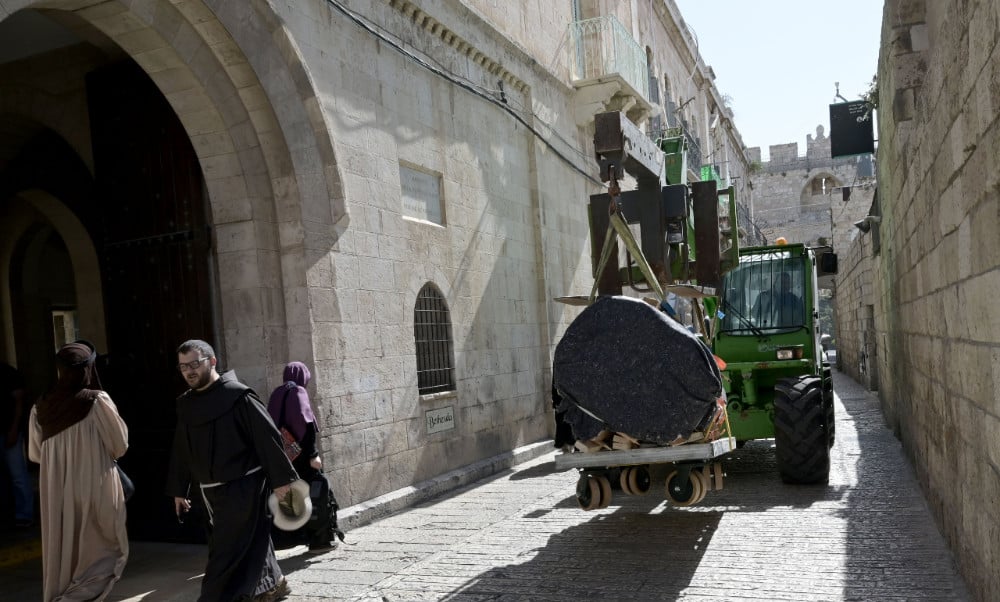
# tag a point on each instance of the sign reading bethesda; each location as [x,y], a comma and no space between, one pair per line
[442,419]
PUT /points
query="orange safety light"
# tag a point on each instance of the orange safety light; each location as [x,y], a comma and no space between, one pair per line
[781,240]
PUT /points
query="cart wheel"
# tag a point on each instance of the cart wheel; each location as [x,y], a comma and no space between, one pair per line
[683,491]
[605,485]
[623,480]
[705,484]
[588,493]
[639,481]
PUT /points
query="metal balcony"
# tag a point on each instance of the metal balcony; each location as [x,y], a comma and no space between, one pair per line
[608,69]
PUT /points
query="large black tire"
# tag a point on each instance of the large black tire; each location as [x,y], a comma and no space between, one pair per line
[800,433]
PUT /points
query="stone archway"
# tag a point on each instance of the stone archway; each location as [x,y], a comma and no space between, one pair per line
[818,188]
[85,265]
[233,79]
[264,151]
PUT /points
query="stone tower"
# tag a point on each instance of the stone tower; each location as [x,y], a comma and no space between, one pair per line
[813,199]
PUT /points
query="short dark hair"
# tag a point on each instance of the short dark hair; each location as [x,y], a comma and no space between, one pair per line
[196,345]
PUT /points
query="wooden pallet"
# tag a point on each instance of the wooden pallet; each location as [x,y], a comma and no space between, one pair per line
[646,455]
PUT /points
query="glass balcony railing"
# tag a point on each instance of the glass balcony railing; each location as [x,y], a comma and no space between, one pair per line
[602,47]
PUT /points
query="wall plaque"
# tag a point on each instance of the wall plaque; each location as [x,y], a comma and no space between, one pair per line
[421,194]
[441,419]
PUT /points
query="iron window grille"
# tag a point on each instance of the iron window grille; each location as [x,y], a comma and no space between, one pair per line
[435,348]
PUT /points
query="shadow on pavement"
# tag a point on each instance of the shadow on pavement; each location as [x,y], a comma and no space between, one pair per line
[631,555]
[644,548]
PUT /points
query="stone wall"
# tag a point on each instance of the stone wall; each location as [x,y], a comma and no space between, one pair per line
[802,197]
[857,349]
[937,277]
[511,236]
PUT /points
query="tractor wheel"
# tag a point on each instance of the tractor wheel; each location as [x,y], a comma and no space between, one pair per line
[800,430]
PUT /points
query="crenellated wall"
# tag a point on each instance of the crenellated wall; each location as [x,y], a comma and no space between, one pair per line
[802,197]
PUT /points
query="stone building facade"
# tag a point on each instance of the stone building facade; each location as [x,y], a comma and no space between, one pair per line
[392,192]
[930,271]
[813,198]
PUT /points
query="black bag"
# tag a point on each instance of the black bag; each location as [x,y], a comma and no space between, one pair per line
[127,485]
[324,504]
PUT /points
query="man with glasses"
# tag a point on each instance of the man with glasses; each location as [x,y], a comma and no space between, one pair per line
[228,447]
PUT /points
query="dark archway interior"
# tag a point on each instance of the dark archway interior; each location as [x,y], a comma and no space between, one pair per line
[144,207]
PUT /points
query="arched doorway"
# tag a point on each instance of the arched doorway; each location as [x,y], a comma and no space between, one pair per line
[141,241]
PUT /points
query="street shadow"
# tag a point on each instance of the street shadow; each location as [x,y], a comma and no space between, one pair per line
[643,549]
[640,551]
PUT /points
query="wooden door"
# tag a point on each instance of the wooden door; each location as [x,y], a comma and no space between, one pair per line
[154,244]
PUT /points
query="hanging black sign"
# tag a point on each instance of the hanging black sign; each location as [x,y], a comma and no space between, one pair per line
[851,129]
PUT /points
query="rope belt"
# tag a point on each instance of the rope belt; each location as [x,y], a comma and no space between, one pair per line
[204,498]
[247,473]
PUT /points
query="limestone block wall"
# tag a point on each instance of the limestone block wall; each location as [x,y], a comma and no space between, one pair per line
[938,276]
[514,234]
[801,197]
[857,345]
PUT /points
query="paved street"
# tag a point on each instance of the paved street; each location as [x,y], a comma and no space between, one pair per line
[520,536]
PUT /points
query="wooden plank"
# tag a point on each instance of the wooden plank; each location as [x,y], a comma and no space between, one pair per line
[646,455]
[624,441]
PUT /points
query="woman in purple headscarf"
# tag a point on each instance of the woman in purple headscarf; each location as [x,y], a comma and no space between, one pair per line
[75,435]
[290,409]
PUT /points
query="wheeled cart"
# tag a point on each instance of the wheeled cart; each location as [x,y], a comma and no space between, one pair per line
[694,473]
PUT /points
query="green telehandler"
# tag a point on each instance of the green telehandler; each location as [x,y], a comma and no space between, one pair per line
[754,308]
[767,330]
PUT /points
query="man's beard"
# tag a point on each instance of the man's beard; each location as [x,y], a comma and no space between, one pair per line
[202,382]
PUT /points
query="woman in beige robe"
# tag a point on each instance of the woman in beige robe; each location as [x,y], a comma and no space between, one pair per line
[75,435]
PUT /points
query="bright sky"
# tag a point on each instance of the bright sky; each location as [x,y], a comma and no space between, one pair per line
[778,60]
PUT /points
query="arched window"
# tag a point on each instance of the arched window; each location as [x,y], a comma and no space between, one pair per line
[818,186]
[818,189]
[435,349]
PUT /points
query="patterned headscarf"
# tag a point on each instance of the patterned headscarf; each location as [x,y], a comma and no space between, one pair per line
[73,396]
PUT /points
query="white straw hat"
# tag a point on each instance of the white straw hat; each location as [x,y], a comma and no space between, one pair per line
[291,515]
